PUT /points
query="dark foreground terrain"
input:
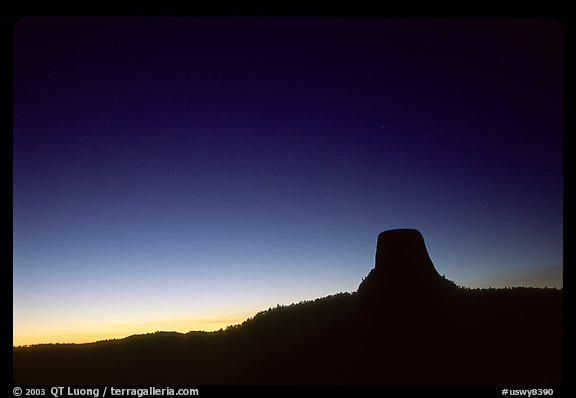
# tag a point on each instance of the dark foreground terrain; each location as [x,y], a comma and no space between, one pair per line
[405,325]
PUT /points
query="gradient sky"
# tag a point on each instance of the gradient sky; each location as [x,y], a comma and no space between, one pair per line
[185,173]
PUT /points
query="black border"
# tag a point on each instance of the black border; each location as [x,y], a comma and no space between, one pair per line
[558,12]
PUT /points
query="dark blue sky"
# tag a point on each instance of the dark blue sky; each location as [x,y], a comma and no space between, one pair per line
[179,169]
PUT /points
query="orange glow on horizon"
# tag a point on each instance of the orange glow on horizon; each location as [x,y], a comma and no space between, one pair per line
[94,333]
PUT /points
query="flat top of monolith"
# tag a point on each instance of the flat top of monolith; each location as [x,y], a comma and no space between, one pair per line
[400,231]
[403,236]
[403,243]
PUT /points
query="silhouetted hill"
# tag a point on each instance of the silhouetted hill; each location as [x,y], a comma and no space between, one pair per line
[405,325]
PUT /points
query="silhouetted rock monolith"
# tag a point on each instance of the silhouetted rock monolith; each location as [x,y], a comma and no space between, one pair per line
[403,267]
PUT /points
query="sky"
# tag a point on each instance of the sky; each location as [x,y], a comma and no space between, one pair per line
[185,173]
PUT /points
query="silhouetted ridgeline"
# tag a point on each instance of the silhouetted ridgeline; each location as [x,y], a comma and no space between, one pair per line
[405,325]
